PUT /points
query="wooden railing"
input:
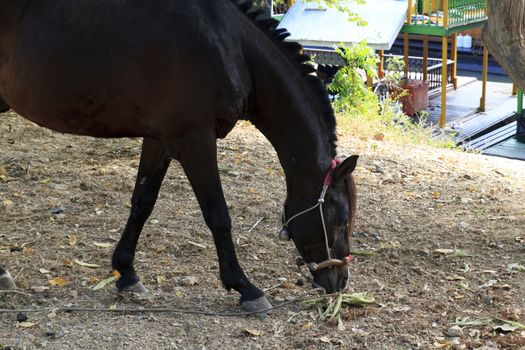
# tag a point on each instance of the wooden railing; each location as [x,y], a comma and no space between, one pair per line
[434,70]
[446,13]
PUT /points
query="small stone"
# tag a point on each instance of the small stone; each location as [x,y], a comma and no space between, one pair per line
[54,334]
[378,170]
[282,279]
[455,331]
[300,282]
[57,210]
[21,317]
[188,281]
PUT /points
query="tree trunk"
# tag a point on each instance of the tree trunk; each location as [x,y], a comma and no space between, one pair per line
[504,36]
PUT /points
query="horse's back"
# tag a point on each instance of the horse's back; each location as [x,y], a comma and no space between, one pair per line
[114,68]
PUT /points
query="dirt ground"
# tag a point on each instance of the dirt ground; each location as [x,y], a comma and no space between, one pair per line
[441,236]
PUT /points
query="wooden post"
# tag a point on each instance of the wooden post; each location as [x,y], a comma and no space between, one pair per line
[369,81]
[381,64]
[454,50]
[405,51]
[514,89]
[445,13]
[409,13]
[425,57]
[444,81]
[483,100]
[520,103]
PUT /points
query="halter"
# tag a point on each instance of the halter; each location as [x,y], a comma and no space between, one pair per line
[284,235]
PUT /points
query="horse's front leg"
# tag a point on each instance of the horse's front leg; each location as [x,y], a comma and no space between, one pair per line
[6,281]
[154,162]
[198,157]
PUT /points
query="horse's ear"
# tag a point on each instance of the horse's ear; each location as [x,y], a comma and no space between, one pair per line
[346,168]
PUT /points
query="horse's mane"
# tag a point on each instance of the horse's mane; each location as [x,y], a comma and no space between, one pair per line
[293,51]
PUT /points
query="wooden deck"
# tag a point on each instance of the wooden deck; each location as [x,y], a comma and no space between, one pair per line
[511,148]
[465,119]
[463,103]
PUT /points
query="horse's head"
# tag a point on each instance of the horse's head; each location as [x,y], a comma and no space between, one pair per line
[322,232]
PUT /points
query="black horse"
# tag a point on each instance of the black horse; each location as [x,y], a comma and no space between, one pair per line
[180,74]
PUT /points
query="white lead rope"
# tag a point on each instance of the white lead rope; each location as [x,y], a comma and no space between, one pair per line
[319,204]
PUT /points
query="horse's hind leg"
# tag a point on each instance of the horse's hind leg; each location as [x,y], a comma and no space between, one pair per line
[3,106]
[153,165]
[199,160]
[6,281]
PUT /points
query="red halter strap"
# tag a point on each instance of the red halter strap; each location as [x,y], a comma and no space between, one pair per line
[328,178]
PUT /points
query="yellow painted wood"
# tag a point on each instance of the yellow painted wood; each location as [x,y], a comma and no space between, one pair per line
[444,71]
[410,8]
[381,64]
[445,13]
[483,100]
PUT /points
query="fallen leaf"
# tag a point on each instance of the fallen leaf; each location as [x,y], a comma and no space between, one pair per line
[445,344]
[505,327]
[105,282]
[102,245]
[444,251]
[68,262]
[58,281]
[250,332]
[85,264]
[308,325]
[25,324]
[72,239]
[39,289]
[325,340]
[161,279]
[513,323]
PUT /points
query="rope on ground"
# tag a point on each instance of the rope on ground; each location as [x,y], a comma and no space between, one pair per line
[153,310]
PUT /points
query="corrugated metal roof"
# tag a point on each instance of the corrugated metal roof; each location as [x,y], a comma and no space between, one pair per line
[312,25]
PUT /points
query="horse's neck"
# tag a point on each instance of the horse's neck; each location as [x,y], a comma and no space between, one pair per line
[286,114]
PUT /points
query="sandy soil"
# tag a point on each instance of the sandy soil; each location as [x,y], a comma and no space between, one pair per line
[446,230]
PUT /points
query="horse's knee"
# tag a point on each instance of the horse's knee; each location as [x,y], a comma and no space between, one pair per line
[218,222]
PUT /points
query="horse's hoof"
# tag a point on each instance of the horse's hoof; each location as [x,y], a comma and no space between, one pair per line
[137,288]
[6,282]
[260,306]
[137,293]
